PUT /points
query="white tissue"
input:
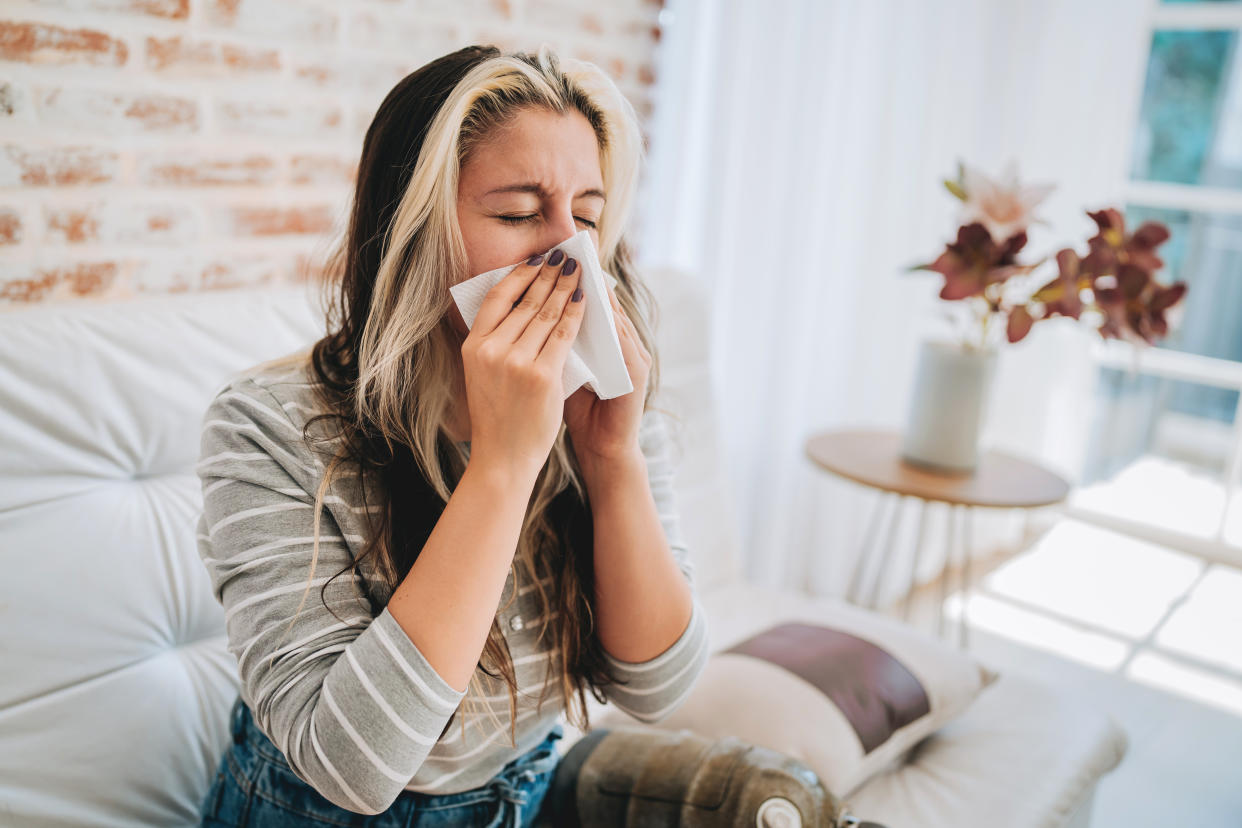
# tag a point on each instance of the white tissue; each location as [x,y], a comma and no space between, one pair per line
[595,357]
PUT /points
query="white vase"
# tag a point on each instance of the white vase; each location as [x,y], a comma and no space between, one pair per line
[948,407]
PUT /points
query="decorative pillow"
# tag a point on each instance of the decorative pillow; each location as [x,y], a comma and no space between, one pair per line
[846,703]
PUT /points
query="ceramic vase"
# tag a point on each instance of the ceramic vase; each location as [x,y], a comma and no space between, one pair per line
[948,407]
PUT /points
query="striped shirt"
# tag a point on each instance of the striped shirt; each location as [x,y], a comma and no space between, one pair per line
[351,702]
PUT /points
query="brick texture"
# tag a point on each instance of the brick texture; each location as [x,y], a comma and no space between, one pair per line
[170,146]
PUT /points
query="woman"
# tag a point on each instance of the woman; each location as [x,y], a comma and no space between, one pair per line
[424,551]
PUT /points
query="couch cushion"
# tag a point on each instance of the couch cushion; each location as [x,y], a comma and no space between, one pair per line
[963,775]
[704,496]
[1025,755]
[117,682]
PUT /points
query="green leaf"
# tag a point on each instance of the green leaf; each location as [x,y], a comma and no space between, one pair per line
[955,188]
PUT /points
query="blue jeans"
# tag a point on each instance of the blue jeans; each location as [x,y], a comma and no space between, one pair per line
[254,786]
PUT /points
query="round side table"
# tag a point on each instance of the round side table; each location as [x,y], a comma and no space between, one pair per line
[873,458]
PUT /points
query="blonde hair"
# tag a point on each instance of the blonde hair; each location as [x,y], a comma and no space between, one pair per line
[389,369]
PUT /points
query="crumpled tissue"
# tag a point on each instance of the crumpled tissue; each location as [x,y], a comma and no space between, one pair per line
[595,358]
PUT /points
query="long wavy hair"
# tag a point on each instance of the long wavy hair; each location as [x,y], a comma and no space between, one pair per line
[389,371]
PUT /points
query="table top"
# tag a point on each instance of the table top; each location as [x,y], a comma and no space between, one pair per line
[873,457]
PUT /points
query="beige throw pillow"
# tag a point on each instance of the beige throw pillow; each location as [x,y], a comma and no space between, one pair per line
[847,700]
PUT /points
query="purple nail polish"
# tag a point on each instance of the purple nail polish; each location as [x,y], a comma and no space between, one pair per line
[535,259]
[577,295]
[570,267]
[556,257]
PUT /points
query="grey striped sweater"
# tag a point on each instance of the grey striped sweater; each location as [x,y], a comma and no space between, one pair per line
[353,705]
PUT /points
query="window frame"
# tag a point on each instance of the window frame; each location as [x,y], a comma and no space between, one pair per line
[1166,363]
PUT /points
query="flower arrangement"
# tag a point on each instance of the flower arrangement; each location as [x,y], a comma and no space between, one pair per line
[1114,282]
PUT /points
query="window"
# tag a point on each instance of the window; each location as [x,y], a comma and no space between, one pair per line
[1165,457]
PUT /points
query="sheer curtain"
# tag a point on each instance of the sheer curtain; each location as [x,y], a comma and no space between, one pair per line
[797,150]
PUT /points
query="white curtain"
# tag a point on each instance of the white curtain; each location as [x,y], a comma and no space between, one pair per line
[797,150]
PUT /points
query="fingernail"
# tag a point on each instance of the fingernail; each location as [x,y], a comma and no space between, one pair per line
[556,257]
[570,266]
[577,295]
[535,259]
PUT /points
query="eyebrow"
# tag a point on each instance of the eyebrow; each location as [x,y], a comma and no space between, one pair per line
[540,191]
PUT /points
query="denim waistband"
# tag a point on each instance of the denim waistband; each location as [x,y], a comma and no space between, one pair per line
[513,784]
[243,728]
[510,783]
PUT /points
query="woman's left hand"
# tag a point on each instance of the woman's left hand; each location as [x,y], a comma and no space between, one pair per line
[608,429]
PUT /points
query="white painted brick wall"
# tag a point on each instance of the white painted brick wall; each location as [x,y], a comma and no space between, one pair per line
[189,145]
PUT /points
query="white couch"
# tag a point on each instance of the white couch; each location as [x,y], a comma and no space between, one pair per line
[116,682]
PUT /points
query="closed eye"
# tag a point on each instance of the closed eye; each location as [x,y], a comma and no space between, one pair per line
[520,219]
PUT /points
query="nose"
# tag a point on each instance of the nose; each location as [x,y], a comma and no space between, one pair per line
[559,227]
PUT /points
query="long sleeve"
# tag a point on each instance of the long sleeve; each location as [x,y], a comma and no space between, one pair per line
[352,703]
[658,686]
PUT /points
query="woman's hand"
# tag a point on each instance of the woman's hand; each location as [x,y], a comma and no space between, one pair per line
[606,430]
[514,359]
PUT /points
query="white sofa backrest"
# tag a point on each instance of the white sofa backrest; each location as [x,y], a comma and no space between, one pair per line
[704,500]
[116,680]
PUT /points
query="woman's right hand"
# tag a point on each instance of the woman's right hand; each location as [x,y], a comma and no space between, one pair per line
[513,359]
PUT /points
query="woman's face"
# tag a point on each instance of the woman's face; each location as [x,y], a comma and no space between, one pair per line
[526,189]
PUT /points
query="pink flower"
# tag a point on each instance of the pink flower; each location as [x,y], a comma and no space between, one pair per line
[1002,205]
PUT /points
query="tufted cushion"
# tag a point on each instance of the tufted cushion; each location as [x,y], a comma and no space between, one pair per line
[116,682]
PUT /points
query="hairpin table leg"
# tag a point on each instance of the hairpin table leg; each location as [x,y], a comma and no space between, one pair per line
[919,537]
[968,517]
[860,563]
[889,535]
[951,512]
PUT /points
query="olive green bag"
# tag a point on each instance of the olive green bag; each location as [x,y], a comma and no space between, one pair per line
[650,778]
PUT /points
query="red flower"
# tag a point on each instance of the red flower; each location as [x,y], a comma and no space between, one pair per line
[1135,306]
[1116,274]
[1110,247]
[975,261]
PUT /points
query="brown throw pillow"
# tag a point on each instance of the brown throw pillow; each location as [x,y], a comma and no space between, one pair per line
[847,700]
